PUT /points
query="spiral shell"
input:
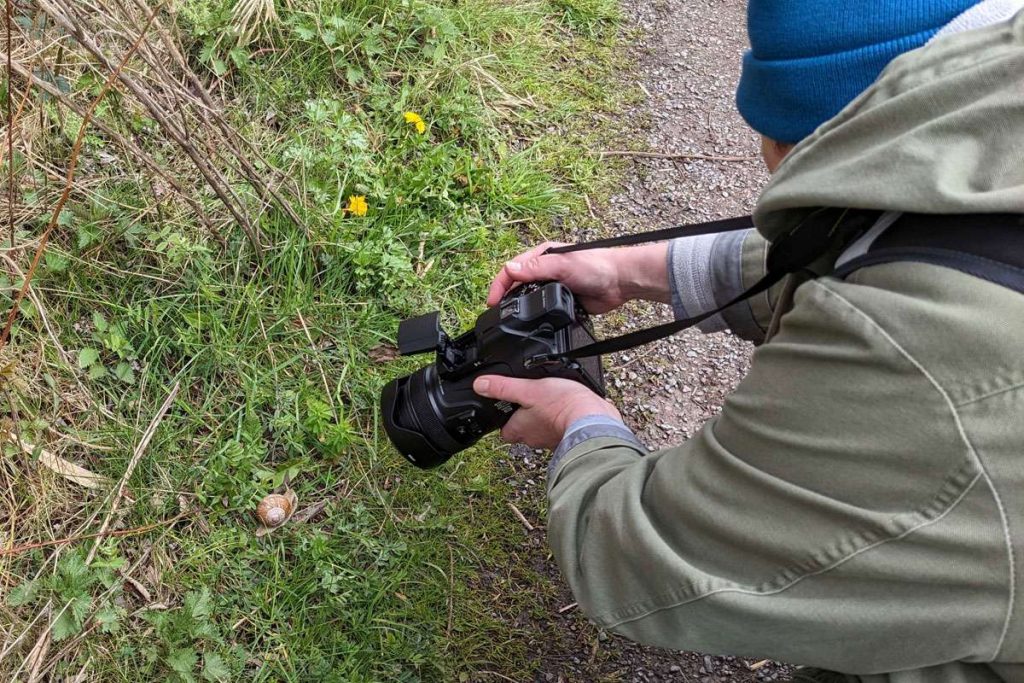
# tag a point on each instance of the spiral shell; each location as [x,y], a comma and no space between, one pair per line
[275,509]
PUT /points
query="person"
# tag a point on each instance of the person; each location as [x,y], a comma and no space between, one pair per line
[858,504]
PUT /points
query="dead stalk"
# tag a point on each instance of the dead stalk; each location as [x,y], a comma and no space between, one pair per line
[147,436]
[69,182]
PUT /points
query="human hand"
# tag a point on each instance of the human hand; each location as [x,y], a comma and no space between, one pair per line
[546,407]
[602,279]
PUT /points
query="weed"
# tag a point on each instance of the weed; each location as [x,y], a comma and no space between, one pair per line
[144,286]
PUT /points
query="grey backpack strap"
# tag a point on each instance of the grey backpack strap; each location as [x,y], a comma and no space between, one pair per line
[986,246]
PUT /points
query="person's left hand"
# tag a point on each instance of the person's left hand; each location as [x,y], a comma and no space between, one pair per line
[547,407]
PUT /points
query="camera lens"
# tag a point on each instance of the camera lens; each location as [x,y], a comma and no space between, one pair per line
[413,420]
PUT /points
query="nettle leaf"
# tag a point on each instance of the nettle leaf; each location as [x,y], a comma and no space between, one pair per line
[55,263]
[125,373]
[99,321]
[305,32]
[70,621]
[199,604]
[215,668]
[182,661]
[23,594]
[96,371]
[240,56]
[353,74]
[109,619]
[88,357]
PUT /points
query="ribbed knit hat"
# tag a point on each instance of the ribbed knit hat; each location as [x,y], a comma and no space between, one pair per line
[809,59]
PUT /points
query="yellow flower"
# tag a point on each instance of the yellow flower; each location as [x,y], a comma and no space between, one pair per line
[415,119]
[357,205]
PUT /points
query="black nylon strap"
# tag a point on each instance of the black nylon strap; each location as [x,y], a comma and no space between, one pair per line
[943,240]
[644,336]
[690,230]
[790,253]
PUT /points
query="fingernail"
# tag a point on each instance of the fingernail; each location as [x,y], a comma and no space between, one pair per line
[481,386]
[514,265]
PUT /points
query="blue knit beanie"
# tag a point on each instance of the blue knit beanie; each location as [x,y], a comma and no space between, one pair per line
[809,59]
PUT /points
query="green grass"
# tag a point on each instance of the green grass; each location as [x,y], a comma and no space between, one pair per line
[272,359]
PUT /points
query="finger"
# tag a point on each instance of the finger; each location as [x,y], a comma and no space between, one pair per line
[517,428]
[511,389]
[505,279]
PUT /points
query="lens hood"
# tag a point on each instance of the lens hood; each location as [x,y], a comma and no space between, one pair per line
[411,441]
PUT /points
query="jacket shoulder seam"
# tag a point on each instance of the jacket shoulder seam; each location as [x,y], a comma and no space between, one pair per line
[997,499]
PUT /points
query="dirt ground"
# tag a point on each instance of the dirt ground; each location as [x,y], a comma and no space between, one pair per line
[687,59]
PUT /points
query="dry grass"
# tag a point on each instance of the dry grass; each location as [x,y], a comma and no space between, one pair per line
[263,321]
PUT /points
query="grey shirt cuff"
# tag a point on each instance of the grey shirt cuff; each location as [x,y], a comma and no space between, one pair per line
[705,272]
[590,427]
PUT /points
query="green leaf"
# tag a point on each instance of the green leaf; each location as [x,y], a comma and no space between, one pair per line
[88,357]
[70,621]
[109,619]
[97,371]
[239,56]
[305,32]
[199,603]
[23,594]
[125,373]
[99,321]
[215,668]
[182,661]
[55,263]
[65,626]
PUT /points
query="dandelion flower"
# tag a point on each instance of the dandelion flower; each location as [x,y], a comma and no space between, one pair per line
[357,205]
[415,119]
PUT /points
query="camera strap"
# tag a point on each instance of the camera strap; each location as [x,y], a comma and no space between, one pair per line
[790,253]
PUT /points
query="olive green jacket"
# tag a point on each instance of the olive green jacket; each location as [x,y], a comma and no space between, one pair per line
[858,505]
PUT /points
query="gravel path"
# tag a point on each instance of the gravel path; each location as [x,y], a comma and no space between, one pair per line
[687,58]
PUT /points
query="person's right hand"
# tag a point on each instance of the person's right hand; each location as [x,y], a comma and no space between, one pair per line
[602,279]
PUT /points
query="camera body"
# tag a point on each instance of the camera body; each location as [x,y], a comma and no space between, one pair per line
[434,413]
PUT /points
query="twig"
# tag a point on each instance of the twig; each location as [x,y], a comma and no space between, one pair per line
[14,643]
[213,177]
[660,155]
[323,375]
[19,549]
[757,665]
[570,606]
[10,126]
[38,654]
[124,142]
[61,351]
[521,516]
[147,436]
[70,180]
[498,675]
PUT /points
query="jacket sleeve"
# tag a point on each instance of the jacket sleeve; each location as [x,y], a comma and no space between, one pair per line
[829,512]
[710,270]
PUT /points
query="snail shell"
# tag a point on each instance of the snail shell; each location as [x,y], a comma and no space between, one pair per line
[275,509]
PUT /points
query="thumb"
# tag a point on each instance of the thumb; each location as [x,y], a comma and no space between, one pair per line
[544,267]
[511,389]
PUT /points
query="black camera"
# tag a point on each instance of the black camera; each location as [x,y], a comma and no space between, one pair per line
[434,413]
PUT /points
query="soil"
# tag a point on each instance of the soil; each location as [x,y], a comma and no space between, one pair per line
[687,56]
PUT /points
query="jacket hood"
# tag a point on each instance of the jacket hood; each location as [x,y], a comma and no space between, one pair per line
[941,131]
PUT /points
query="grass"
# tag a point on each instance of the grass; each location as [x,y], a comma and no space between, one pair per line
[145,289]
